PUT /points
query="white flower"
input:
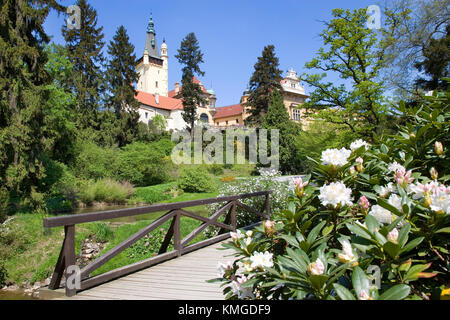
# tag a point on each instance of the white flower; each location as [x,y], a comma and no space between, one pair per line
[223,268]
[381,214]
[440,201]
[395,201]
[358,144]
[394,167]
[263,260]
[316,268]
[348,255]
[385,191]
[336,193]
[237,235]
[335,157]
[242,293]
[247,241]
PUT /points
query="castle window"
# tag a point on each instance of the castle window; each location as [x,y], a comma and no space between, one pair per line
[237,120]
[156,84]
[296,114]
[146,115]
[226,122]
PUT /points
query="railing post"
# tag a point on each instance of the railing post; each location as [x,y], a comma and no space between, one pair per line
[69,257]
[233,216]
[177,234]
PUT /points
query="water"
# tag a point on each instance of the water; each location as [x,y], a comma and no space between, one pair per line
[15,295]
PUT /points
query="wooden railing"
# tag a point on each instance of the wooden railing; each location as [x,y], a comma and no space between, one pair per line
[67,254]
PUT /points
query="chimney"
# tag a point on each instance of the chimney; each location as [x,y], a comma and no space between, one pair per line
[177,87]
[157,98]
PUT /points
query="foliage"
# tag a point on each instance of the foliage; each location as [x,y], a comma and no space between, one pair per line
[216,169]
[3,274]
[277,118]
[148,246]
[145,164]
[265,182]
[190,56]
[23,94]
[105,190]
[363,211]
[351,53]
[102,231]
[153,194]
[196,179]
[95,162]
[266,77]
[85,46]
[120,75]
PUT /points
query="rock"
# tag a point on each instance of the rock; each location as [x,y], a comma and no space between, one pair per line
[36,294]
[47,282]
[36,286]
[89,256]
[87,251]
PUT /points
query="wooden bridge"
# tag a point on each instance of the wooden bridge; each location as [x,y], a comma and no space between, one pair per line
[178,274]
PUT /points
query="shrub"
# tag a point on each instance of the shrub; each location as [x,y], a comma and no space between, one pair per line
[3,274]
[148,246]
[153,194]
[196,179]
[216,169]
[369,208]
[4,200]
[106,190]
[144,164]
[95,162]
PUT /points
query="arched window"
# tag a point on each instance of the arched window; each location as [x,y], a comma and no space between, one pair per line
[204,117]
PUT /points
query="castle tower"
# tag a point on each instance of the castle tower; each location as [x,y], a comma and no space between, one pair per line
[153,66]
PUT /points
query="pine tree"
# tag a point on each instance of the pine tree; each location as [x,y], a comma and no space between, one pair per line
[190,56]
[85,51]
[277,117]
[23,93]
[120,76]
[266,77]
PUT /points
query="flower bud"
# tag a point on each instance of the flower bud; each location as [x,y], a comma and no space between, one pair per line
[359,165]
[364,205]
[363,295]
[316,268]
[299,186]
[434,174]
[393,236]
[269,227]
[352,170]
[438,148]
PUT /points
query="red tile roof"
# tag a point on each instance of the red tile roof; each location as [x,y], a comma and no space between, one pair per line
[165,103]
[228,111]
[173,94]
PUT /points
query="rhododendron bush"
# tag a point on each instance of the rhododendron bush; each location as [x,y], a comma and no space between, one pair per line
[372,222]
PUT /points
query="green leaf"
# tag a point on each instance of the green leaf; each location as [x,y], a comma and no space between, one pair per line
[343,292]
[398,292]
[392,249]
[372,223]
[314,232]
[403,235]
[360,281]
[412,244]
[444,230]
[383,203]
[318,281]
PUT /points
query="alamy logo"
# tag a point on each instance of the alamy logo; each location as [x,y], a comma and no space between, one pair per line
[73,280]
[374,20]
[256,143]
[74,19]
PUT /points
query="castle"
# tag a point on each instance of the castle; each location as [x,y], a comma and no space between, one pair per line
[155,98]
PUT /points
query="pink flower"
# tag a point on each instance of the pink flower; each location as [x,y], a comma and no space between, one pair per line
[402,177]
[363,295]
[359,160]
[393,236]
[269,227]
[147,244]
[364,204]
[299,186]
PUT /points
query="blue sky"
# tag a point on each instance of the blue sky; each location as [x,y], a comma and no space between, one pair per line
[231,33]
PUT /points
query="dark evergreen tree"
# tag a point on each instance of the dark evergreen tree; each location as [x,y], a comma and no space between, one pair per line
[85,46]
[266,77]
[120,76]
[23,93]
[277,117]
[190,56]
[436,63]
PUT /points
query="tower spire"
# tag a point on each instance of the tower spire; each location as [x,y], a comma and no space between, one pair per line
[151,25]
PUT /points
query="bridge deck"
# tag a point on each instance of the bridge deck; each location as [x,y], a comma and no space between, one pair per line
[178,279]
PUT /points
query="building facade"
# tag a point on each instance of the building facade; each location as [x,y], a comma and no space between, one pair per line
[294,97]
[153,87]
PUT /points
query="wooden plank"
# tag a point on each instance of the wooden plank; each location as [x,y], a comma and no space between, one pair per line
[121,213]
[116,273]
[204,243]
[69,257]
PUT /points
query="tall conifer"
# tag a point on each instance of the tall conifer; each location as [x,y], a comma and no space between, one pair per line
[266,78]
